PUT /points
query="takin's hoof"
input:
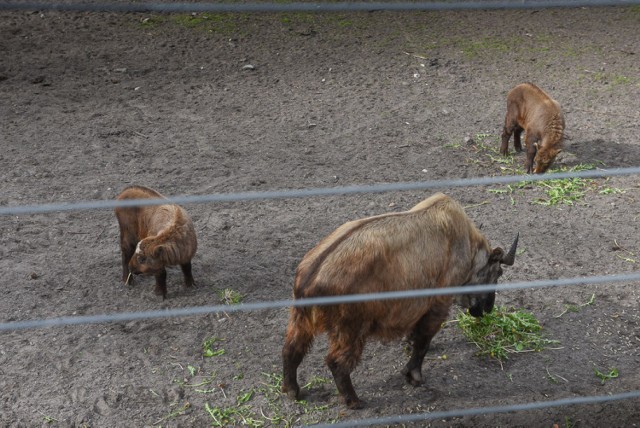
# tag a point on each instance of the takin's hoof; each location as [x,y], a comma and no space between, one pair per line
[292,392]
[159,291]
[353,403]
[414,377]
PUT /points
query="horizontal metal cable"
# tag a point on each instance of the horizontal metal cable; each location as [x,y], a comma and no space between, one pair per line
[314,192]
[399,419]
[353,298]
[79,6]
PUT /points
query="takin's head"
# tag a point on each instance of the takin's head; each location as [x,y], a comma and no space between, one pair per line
[148,258]
[544,158]
[482,303]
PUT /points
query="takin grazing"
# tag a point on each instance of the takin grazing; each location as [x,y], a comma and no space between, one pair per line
[154,237]
[433,245]
[529,108]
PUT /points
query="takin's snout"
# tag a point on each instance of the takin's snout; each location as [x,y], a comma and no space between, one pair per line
[482,305]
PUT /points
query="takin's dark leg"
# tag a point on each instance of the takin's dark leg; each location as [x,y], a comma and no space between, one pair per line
[297,342]
[510,125]
[345,350]
[420,339]
[188,277]
[161,284]
[504,147]
[517,144]
[128,250]
[531,152]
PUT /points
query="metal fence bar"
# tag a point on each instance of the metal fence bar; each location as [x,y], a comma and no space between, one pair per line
[333,300]
[399,419]
[315,192]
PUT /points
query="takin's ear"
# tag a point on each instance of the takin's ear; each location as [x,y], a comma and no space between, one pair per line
[497,254]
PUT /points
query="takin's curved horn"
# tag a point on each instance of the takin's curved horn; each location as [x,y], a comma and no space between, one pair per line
[510,257]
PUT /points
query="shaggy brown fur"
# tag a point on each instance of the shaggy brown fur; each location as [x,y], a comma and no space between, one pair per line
[432,245]
[153,237]
[531,109]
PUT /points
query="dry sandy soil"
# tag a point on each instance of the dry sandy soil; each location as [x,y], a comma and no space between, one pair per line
[192,105]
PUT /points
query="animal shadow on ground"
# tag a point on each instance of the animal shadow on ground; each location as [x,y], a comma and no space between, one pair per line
[600,153]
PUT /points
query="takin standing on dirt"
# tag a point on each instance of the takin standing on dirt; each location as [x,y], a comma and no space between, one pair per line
[154,237]
[433,245]
[529,108]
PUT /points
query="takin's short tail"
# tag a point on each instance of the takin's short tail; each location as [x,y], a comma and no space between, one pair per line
[301,323]
[301,330]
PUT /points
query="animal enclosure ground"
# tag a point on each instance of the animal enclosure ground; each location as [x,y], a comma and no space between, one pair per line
[208,103]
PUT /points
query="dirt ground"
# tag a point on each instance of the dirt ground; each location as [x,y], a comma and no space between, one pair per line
[192,105]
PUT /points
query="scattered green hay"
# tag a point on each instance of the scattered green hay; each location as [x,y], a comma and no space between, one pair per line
[48,419]
[233,416]
[577,308]
[265,406]
[611,191]
[203,384]
[209,348]
[503,332]
[565,191]
[554,378]
[316,381]
[244,397]
[228,402]
[179,412]
[488,146]
[623,253]
[452,146]
[272,385]
[230,296]
[612,374]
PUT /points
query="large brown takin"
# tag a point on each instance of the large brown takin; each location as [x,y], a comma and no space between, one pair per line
[531,109]
[433,245]
[154,237]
